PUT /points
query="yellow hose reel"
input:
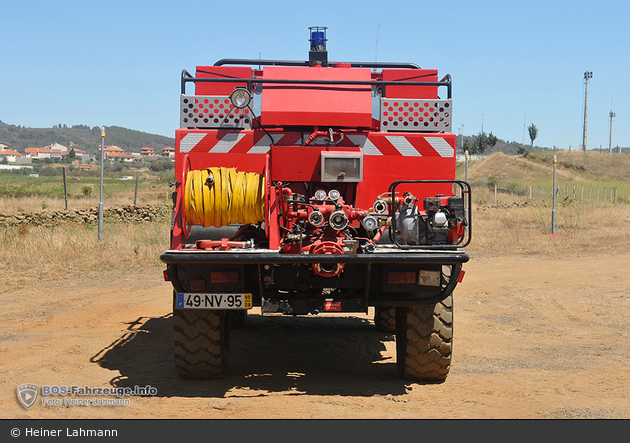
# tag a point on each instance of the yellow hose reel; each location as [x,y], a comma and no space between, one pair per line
[221,196]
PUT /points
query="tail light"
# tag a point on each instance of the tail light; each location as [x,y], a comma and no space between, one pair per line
[224,277]
[198,285]
[401,277]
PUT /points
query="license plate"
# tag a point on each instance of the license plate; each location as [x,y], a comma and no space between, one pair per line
[214,301]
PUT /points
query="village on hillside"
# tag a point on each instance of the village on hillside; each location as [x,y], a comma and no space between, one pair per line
[57,151]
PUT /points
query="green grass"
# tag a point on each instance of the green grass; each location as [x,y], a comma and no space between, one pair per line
[18,186]
[541,191]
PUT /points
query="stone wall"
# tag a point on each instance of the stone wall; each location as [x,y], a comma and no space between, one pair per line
[124,214]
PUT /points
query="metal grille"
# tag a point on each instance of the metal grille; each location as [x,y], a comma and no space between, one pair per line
[415,115]
[215,112]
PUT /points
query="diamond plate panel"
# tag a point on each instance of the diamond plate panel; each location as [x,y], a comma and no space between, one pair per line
[213,112]
[416,115]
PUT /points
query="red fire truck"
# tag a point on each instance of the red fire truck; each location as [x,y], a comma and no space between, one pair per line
[308,187]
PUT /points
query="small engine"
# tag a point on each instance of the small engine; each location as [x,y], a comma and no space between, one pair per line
[440,222]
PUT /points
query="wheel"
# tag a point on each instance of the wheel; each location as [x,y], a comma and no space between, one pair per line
[385,319]
[238,319]
[424,340]
[201,342]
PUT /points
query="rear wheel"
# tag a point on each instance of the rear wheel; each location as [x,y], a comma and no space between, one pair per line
[201,342]
[385,319]
[424,340]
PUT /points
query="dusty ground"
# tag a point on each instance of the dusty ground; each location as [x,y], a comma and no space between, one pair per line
[535,337]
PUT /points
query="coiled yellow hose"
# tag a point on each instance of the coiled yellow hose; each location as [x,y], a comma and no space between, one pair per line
[229,197]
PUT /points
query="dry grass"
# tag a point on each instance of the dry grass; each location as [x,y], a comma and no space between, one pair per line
[580,229]
[74,250]
[52,253]
[589,218]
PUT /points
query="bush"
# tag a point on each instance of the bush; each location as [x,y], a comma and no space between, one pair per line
[114,167]
[50,171]
[162,165]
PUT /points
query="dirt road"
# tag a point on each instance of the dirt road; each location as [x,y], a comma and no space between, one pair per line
[535,337]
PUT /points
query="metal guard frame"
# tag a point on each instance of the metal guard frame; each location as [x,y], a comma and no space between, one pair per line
[444,292]
[188,78]
[465,188]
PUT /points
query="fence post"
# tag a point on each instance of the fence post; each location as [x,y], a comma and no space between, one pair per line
[553,211]
[65,188]
[466,168]
[598,195]
[615,194]
[135,194]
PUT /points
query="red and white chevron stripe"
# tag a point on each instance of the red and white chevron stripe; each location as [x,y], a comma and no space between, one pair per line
[249,142]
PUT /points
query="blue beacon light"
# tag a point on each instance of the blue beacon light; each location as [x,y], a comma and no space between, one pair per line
[318,54]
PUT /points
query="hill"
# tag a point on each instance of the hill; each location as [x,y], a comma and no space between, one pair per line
[82,137]
[507,147]
[538,165]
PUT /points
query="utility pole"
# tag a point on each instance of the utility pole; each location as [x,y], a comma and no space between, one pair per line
[587,75]
[611,115]
[100,204]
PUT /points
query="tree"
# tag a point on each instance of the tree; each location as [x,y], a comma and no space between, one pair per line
[533,133]
[481,142]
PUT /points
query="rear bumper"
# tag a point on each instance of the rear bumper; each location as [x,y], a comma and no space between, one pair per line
[368,289]
[265,256]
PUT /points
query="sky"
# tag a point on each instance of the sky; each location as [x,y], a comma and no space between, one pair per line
[119,63]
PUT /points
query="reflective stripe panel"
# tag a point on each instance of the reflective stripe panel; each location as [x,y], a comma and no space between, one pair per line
[403,146]
[190,141]
[441,146]
[264,144]
[367,147]
[228,141]
[406,146]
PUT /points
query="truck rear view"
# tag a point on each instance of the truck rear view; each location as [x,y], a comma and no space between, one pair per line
[312,186]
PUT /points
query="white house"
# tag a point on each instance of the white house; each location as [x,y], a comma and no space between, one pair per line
[58,147]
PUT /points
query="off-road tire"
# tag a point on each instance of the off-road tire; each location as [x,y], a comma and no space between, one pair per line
[201,343]
[238,319]
[424,341]
[385,319]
